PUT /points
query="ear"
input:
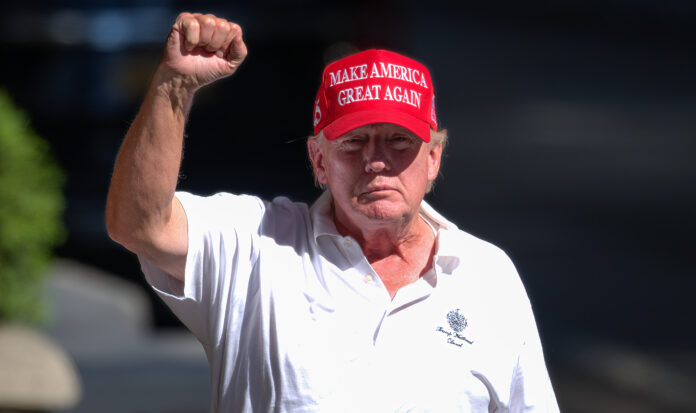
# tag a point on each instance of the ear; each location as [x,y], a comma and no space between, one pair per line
[314,149]
[434,159]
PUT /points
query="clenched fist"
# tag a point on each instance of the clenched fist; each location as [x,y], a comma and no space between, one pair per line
[202,48]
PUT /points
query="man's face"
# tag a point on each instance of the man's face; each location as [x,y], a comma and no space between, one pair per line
[377,173]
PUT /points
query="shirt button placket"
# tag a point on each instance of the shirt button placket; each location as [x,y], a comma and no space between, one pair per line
[353,251]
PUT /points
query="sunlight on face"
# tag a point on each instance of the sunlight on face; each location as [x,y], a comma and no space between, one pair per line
[376,173]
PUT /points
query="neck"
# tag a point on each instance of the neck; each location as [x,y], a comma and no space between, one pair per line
[399,253]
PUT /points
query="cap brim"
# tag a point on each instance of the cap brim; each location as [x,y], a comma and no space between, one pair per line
[350,121]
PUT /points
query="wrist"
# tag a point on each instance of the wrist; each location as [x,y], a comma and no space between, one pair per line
[178,90]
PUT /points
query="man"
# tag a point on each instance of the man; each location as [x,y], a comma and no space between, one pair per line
[369,301]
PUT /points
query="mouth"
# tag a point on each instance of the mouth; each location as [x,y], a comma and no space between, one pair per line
[377,190]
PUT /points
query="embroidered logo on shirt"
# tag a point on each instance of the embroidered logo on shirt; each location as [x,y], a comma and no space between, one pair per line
[457,323]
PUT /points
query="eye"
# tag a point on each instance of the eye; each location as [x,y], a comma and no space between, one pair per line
[352,143]
[401,141]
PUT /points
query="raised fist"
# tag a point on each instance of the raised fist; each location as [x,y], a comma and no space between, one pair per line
[202,48]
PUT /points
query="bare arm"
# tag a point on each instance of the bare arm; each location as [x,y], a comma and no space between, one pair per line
[142,212]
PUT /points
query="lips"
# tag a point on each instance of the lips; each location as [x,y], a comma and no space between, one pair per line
[373,189]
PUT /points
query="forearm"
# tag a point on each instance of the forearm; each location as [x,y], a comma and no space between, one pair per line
[141,211]
[147,167]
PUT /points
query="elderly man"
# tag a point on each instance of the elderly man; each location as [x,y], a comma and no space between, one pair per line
[369,301]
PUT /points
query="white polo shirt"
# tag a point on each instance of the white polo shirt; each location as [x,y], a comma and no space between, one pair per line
[293,318]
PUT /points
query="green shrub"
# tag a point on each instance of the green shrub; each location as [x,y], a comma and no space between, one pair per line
[31,206]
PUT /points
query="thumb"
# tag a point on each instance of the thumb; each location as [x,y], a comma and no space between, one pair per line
[174,42]
[236,52]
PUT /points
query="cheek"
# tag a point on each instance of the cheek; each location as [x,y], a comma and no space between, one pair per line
[343,176]
[337,173]
[417,175]
[330,169]
[340,166]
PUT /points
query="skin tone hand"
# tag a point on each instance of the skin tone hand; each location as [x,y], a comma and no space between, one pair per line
[202,48]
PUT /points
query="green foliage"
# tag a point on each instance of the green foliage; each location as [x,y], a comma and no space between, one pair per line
[31,206]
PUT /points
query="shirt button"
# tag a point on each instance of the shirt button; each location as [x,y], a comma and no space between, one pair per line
[348,243]
[369,278]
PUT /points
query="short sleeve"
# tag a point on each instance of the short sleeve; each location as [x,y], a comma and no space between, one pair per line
[222,234]
[531,389]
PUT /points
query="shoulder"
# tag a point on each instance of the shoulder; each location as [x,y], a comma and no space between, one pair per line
[242,210]
[226,203]
[467,250]
[221,201]
[473,248]
[286,221]
[224,200]
[482,262]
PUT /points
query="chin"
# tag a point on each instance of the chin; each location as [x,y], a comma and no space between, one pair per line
[382,211]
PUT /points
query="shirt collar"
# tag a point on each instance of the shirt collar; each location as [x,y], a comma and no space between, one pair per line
[322,217]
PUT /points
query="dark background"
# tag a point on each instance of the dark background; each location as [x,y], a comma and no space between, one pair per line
[572,143]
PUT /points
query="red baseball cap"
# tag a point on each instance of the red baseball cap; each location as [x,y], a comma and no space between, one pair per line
[375,86]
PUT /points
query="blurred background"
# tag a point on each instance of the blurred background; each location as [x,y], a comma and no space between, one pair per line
[573,140]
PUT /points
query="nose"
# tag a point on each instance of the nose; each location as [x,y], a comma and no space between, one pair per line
[376,159]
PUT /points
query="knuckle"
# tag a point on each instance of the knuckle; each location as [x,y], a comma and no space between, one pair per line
[181,19]
[222,25]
